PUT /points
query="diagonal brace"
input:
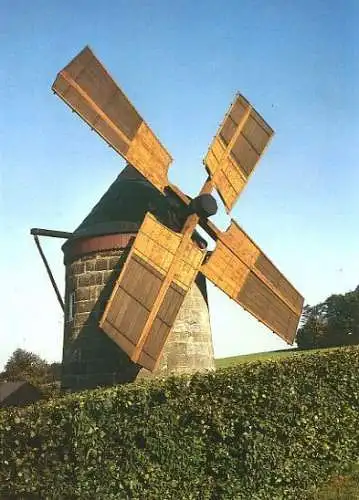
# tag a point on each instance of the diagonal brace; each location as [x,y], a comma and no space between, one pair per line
[47,267]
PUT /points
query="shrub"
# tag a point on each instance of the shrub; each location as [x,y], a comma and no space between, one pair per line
[267,430]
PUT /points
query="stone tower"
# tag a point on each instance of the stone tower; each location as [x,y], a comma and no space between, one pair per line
[93,257]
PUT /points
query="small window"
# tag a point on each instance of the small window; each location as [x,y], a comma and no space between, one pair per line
[71,306]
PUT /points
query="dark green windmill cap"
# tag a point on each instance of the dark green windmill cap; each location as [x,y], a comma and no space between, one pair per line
[124,205]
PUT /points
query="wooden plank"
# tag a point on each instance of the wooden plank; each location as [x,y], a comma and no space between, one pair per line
[240,269]
[188,265]
[218,149]
[144,295]
[212,162]
[261,301]
[132,299]
[228,129]
[134,293]
[175,272]
[240,244]
[86,86]
[156,244]
[229,182]
[225,270]
[244,155]
[146,361]
[172,273]
[236,149]
[250,253]
[236,242]
[156,339]
[120,340]
[130,318]
[129,305]
[171,304]
[161,327]
[256,132]
[141,281]
[267,270]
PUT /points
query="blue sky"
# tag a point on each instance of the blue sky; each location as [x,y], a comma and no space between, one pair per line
[181,63]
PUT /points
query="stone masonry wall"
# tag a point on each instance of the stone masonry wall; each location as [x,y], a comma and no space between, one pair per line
[189,346]
[91,359]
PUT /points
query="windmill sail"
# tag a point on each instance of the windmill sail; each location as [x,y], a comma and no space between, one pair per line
[153,253]
[162,264]
[241,270]
[236,149]
[85,85]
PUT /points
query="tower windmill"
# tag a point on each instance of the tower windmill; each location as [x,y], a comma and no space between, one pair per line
[162,263]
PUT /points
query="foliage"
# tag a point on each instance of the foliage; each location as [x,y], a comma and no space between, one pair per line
[334,322]
[51,389]
[269,430]
[25,365]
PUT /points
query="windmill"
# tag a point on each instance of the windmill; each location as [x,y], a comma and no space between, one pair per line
[162,263]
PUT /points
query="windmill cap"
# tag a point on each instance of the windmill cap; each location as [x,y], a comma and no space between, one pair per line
[121,210]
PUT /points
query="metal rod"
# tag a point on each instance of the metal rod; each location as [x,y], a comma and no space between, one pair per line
[53,282]
[49,232]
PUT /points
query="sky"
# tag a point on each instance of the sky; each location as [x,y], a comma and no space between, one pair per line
[181,63]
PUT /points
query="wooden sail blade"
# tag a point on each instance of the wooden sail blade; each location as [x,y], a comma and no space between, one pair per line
[153,253]
[236,149]
[240,269]
[85,85]
[161,327]
[189,260]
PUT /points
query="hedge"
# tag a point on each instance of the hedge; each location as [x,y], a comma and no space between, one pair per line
[268,430]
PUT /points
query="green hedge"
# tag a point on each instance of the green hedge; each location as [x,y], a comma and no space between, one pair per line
[259,431]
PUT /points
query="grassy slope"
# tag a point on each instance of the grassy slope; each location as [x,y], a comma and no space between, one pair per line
[264,356]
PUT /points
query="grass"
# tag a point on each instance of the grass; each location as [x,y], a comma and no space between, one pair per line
[340,487]
[265,356]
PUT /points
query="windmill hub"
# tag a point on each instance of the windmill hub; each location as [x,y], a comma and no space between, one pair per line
[204,206]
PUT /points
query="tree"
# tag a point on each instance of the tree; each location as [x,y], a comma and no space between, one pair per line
[334,322]
[55,371]
[25,365]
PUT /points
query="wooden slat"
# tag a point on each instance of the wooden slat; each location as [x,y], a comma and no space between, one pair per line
[236,149]
[85,85]
[136,291]
[235,246]
[190,262]
[182,270]
[239,268]
[265,269]
[156,244]
[171,304]
[130,303]
[262,302]
[162,326]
